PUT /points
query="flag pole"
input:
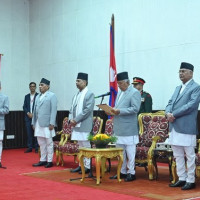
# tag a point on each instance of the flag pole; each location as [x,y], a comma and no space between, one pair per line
[113,29]
[112,66]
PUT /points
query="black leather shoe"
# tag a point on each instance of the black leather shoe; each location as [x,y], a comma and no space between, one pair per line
[130,177]
[48,165]
[28,150]
[78,169]
[86,171]
[41,163]
[188,186]
[121,176]
[178,184]
[36,150]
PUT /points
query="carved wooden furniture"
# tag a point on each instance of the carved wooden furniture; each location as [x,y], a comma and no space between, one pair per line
[71,148]
[100,156]
[153,129]
[66,130]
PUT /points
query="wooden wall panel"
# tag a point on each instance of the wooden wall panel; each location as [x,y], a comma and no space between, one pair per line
[15,125]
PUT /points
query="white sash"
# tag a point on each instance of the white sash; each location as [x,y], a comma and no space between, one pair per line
[78,100]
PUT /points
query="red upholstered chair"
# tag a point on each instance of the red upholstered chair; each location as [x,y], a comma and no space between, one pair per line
[97,125]
[109,127]
[153,129]
[66,129]
[198,160]
[109,131]
[71,148]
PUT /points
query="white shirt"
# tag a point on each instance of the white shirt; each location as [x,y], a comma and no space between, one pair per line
[79,136]
[128,140]
[31,102]
[1,135]
[43,131]
[184,86]
[181,139]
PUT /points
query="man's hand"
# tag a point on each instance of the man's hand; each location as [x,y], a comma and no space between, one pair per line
[73,122]
[115,111]
[51,127]
[33,127]
[30,115]
[170,117]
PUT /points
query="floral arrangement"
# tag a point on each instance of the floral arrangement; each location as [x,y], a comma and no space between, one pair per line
[101,140]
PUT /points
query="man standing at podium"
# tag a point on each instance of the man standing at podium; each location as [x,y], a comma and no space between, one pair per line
[81,116]
[125,124]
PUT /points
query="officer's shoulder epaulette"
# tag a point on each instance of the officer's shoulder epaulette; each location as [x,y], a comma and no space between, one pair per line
[147,94]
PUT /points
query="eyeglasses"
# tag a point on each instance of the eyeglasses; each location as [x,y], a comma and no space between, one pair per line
[183,71]
[32,86]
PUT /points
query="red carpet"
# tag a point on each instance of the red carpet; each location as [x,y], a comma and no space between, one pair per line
[22,181]
[14,185]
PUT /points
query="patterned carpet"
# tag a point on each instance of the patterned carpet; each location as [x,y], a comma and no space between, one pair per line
[141,187]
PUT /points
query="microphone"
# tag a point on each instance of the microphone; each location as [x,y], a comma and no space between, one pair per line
[103,95]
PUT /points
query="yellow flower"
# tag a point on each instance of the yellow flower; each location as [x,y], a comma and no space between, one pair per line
[101,136]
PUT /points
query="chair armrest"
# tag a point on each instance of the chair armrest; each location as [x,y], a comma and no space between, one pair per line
[59,132]
[153,146]
[66,137]
[61,139]
[198,141]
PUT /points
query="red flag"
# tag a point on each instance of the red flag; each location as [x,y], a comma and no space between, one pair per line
[112,69]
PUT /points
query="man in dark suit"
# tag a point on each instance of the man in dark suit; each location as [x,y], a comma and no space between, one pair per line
[28,107]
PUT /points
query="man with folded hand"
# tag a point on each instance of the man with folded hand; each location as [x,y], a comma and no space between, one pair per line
[181,112]
[81,116]
[44,121]
[125,124]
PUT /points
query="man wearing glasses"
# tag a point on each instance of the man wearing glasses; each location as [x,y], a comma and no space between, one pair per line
[181,112]
[28,107]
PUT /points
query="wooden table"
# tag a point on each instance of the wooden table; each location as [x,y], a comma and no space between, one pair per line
[100,156]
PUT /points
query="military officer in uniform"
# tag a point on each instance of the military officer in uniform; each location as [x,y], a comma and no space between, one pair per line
[146,100]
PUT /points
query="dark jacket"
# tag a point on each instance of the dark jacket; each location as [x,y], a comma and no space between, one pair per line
[26,106]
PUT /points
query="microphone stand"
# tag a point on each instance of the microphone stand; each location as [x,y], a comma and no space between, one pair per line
[90,175]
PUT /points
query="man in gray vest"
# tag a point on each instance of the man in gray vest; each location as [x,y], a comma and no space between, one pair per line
[4,109]
[125,124]
[44,121]
[181,112]
[81,116]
